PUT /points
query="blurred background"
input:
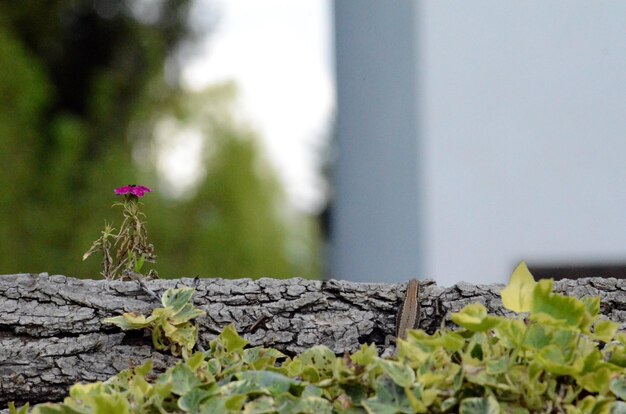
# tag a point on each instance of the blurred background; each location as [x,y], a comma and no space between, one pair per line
[361,140]
[98,94]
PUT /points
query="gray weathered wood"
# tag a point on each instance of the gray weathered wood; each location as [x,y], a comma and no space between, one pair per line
[51,334]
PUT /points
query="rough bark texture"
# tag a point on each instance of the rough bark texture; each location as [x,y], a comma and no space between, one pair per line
[51,334]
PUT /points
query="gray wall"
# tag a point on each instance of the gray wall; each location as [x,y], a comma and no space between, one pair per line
[375,226]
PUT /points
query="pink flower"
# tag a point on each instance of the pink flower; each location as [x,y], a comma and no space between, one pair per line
[133,190]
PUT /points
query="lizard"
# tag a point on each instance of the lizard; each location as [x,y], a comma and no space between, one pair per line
[139,278]
[408,316]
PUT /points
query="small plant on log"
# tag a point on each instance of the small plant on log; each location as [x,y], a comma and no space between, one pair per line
[131,242]
[553,355]
[170,325]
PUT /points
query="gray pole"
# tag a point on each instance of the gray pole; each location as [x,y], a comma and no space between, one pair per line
[375,229]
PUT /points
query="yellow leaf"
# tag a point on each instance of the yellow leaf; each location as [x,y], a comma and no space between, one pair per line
[518,294]
[474,317]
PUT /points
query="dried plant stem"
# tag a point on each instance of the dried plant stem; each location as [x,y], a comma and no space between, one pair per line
[130,242]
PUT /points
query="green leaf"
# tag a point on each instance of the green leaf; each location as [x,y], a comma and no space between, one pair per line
[512,409]
[243,387]
[145,369]
[184,336]
[195,361]
[272,381]
[320,358]
[177,298]
[592,306]
[448,403]
[556,310]
[536,337]
[107,404]
[554,360]
[476,349]
[389,399]
[310,374]
[618,356]
[185,314]
[214,367]
[236,402]
[262,405]
[286,403]
[84,391]
[450,341]
[618,387]
[518,294]
[50,408]
[231,339]
[593,360]
[160,315]
[182,378]
[619,407]
[401,374]
[22,410]
[129,321]
[498,366]
[312,391]
[364,356]
[474,318]
[313,405]
[594,405]
[596,381]
[138,389]
[158,338]
[216,404]
[621,338]
[604,330]
[261,358]
[190,402]
[565,338]
[511,332]
[476,405]
[477,374]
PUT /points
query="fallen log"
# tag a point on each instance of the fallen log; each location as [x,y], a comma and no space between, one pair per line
[52,335]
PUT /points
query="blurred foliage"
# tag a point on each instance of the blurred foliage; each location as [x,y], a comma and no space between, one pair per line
[84,91]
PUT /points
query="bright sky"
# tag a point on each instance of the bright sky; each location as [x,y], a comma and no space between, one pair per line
[279,54]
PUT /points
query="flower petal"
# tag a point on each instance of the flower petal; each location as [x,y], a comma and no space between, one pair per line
[123,190]
[140,190]
[133,190]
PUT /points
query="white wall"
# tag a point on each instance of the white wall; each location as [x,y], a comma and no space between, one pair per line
[523,134]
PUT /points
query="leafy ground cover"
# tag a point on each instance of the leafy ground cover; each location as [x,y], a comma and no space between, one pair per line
[554,356]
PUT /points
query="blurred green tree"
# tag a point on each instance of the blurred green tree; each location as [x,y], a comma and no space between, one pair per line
[84,89]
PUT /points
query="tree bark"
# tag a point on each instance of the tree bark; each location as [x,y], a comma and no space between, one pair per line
[52,336]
